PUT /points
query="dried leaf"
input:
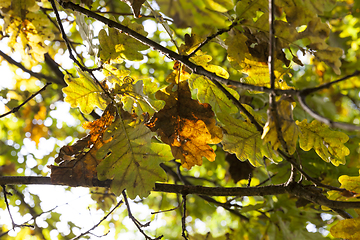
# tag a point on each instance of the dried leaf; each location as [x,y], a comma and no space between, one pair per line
[186,125]
[77,163]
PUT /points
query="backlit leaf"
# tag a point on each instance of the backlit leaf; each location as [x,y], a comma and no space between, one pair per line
[207,92]
[352,186]
[84,93]
[186,125]
[131,159]
[328,144]
[78,162]
[117,46]
[242,138]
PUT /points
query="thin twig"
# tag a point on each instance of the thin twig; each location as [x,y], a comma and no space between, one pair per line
[183,218]
[72,57]
[345,126]
[15,109]
[14,225]
[211,37]
[103,219]
[135,221]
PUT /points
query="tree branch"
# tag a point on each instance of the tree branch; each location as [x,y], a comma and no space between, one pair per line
[310,193]
[15,109]
[33,74]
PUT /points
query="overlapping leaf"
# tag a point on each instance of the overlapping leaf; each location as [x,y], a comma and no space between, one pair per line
[77,163]
[84,93]
[288,128]
[186,125]
[116,46]
[207,92]
[131,159]
[242,138]
[328,144]
[136,95]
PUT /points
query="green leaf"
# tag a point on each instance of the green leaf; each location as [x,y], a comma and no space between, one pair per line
[117,46]
[132,160]
[207,92]
[328,144]
[242,138]
[84,93]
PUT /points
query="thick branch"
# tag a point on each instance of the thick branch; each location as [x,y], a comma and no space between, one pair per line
[310,193]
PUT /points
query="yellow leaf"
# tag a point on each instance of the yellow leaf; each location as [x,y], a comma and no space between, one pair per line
[84,93]
[328,144]
[347,229]
[242,138]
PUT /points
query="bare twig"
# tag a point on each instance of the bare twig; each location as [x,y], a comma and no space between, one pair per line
[136,222]
[103,219]
[68,45]
[15,109]
[14,225]
[345,126]
[293,188]
[183,218]
[211,37]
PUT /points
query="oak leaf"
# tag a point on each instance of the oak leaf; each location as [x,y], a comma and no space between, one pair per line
[84,93]
[243,139]
[117,46]
[347,228]
[328,144]
[131,159]
[352,186]
[207,92]
[186,125]
[77,163]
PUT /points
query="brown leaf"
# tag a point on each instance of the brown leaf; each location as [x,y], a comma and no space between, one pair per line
[77,163]
[186,125]
[79,171]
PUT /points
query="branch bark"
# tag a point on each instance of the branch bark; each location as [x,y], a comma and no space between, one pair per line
[298,190]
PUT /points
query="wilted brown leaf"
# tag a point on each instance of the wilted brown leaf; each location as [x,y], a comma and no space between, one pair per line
[186,125]
[77,163]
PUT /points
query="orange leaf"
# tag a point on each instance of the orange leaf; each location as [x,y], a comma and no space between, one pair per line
[186,125]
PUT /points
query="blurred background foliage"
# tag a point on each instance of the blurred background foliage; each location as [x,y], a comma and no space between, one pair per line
[31,138]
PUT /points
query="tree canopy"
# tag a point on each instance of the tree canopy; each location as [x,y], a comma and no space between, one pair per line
[229,119]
